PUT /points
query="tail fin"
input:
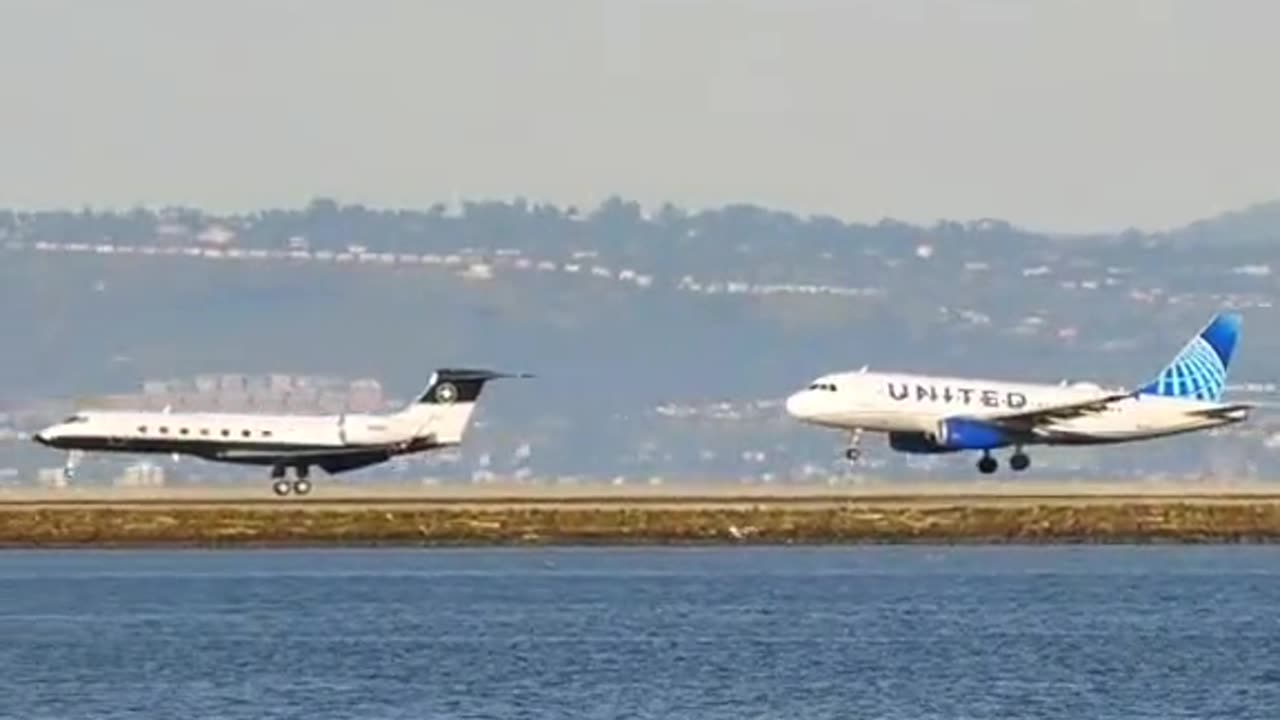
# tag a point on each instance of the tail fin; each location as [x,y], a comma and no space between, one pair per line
[444,409]
[1199,372]
[458,385]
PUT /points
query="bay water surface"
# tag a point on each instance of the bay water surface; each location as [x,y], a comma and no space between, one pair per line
[1089,633]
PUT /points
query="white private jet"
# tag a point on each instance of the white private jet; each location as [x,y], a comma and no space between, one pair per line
[927,414]
[335,443]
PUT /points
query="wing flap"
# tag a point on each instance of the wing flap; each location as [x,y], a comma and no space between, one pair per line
[332,460]
[235,455]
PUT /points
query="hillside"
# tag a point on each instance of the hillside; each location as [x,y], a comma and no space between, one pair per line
[661,340]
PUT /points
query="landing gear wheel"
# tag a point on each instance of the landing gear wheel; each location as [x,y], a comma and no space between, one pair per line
[301,486]
[987,465]
[1019,462]
[281,487]
[853,453]
[73,461]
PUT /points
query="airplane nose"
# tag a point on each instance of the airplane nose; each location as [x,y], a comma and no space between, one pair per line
[40,438]
[795,405]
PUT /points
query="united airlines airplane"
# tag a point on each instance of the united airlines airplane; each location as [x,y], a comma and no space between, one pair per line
[335,443]
[927,414]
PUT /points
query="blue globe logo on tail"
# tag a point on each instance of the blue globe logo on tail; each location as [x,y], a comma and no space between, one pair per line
[1199,372]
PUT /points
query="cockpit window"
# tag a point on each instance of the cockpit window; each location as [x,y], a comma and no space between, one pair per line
[826,387]
[75,419]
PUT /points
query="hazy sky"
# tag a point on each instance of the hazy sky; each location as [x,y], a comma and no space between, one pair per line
[1057,114]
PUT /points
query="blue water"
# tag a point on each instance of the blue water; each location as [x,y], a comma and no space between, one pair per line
[898,632]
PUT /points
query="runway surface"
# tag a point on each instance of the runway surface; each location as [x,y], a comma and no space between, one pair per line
[687,496]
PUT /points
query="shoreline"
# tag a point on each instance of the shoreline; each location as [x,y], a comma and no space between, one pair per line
[702,521]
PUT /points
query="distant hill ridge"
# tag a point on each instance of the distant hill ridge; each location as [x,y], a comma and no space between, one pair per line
[622,311]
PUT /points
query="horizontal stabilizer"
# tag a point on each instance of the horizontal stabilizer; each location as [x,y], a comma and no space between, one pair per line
[1234,411]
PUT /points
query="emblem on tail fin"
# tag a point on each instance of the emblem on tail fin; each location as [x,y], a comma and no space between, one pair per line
[1199,371]
[460,385]
[446,393]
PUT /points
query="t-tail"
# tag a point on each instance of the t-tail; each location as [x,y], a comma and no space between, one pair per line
[444,408]
[1199,372]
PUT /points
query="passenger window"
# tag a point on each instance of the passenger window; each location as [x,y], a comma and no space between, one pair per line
[226,433]
[142,429]
[183,431]
[245,433]
[204,431]
[164,431]
[266,433]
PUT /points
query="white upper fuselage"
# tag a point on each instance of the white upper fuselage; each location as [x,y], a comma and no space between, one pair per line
[214,433]
[916,403]
[288,430]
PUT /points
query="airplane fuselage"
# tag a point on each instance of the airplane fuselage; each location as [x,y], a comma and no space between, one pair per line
[237,438]
[335,443]
[907,403]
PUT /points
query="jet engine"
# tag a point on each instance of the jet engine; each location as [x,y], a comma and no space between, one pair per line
[916,443]
[967,434]
[953,434]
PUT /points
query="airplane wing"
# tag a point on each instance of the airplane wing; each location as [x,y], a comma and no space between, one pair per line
[332,460]
[1031,420]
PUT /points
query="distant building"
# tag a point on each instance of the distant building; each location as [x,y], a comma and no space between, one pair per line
[141,475]
[274,393]
[216,235]
[234,401]
[51,478]
[365,395]
[173,231]
[234,383]
[331,402]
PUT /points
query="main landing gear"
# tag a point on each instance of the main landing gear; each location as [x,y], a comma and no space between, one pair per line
[987,464]
[853,452]
[73,461]
[1018,462]
[282,487]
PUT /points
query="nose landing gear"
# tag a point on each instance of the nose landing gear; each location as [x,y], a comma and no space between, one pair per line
[853,452]
[73,461]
